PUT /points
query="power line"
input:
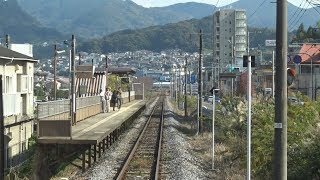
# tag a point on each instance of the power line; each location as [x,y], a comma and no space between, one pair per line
[297,9]
[313,7]
[257,8]
[297,20]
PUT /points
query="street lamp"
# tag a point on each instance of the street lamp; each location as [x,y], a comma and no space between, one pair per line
[55,61]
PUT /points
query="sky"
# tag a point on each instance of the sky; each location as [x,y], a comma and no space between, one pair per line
[159,3]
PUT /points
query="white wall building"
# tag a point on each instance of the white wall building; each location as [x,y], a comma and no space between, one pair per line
[17,82]
[230,37]
[26,49]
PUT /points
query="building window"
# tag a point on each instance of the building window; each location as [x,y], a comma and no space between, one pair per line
[31,84]
[218,37]
[218,29]
[9,84]
[218,45]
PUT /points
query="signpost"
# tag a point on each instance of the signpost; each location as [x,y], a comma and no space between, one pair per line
[247,63]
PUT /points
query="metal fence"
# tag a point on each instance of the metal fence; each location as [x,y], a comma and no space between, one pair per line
[57,110]
[53,109]
[87,101]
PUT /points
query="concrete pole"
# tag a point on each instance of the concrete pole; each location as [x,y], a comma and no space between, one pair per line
[143,91]
[73,95]
[55,72]
[281,104]
[185,88]
[200,85]
[232,64]
[2,149]
[7,41]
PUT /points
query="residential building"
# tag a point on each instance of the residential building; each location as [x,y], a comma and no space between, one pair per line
[17,82]
[230,38]
[230,44]
[307,78]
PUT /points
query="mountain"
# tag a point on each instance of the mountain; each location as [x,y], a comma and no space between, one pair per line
[95,18]
[100,17]
[182,35]
[21,26]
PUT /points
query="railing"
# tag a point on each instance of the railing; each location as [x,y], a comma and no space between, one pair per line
[53,110]
[54,116]
[11,104]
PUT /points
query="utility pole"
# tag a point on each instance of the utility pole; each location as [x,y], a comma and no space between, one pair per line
[281,106]
[185,88]
[73,95]
[107,66]
[55,72]
[2,149]
[7,40]
[232,64]
[178,86]
[200,85]
[79,59]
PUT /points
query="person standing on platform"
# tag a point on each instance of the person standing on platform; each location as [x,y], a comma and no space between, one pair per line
[103,101]
[108,98]
[114,99]
[119,98]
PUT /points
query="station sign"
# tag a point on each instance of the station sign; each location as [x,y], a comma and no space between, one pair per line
[270,43]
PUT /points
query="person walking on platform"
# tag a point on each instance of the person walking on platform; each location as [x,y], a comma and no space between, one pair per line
[119,98]
[114,99]
[103,100]
[108,95]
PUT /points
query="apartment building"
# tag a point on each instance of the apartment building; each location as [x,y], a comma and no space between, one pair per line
[230,38]
[17,82]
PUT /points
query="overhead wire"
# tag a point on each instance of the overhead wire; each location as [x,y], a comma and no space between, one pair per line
[313,4]
[295,12]
[254,12]
[297,20]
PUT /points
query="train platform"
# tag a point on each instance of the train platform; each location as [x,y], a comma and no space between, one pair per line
[96,129]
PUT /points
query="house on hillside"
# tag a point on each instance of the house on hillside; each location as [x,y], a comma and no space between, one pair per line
[308,71]
[17,81]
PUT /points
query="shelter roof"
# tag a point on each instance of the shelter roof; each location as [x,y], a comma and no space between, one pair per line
[118,70]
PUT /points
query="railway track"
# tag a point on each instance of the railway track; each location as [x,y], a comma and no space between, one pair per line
[143,161]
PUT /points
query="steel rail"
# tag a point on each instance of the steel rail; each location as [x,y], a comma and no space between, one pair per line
[121,175]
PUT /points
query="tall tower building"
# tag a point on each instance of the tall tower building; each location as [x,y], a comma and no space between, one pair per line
[229,38]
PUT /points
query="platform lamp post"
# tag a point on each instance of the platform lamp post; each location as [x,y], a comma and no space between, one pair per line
[55,61]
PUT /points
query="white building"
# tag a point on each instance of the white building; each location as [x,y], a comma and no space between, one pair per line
[26,49]
[17,82]
[230,38]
